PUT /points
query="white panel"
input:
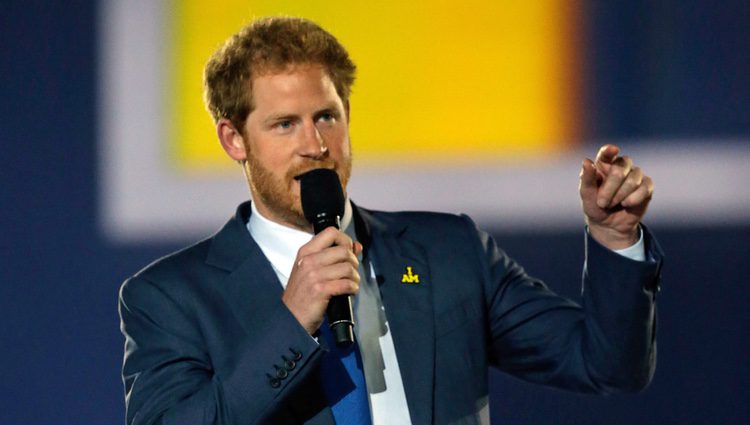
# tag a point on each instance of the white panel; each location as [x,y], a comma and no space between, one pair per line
[695,183]
[142,197]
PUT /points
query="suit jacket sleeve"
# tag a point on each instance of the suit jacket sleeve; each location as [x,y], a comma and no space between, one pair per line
[171,377]
[605,345]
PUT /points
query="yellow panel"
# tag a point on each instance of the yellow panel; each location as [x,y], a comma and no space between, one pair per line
[438,81]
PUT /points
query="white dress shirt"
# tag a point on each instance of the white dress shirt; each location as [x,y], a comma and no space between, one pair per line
[385,388]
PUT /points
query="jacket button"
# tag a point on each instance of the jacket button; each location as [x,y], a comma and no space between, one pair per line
[289,364]
[297,354]
[281,373]
[275,382]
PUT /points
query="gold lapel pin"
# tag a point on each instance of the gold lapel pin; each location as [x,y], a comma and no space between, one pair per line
[409,276]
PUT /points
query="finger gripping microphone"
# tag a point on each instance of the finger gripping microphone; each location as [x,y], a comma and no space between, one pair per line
[323,205]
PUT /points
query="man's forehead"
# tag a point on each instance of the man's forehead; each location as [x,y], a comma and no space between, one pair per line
[264,72]
[285,89]
[293,83]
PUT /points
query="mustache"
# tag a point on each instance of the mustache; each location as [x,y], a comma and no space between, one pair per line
[296,171]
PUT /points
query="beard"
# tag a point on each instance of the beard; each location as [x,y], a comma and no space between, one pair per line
[280,196]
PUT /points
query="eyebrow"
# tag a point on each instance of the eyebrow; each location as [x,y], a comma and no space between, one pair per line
[281,116]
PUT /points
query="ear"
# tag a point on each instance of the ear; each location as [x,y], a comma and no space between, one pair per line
[231,140]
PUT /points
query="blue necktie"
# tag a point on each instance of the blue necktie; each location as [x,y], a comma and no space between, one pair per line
[344,382]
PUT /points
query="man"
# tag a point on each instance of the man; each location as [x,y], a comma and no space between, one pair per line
[231,330]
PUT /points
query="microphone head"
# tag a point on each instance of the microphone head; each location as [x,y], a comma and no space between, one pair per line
[321,194]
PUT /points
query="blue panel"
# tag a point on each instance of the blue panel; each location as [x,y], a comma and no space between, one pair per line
[667,69]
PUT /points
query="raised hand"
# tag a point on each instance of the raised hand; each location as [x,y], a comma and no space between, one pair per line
[614,195]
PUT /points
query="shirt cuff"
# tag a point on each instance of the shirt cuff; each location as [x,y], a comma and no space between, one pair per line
[635,252]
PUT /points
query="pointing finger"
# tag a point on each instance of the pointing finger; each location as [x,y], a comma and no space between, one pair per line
[588,176]
[588,187]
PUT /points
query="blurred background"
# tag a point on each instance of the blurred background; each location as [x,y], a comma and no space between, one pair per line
[108,161]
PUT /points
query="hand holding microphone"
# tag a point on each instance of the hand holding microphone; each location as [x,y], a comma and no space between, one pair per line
[326,268]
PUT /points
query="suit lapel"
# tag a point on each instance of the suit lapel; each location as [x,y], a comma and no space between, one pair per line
[252,289]
[406,289]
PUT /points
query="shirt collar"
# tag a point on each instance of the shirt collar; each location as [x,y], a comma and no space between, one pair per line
[280,243]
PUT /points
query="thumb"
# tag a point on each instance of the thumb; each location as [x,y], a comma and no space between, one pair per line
[607,154]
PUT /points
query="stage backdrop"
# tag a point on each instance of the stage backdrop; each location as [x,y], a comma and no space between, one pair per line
[456,107]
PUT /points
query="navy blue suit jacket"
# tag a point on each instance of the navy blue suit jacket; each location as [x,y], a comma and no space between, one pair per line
[209,341]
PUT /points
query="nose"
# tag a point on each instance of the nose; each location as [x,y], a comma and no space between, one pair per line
[312,144]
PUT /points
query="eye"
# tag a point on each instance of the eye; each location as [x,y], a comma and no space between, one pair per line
[326,117]
[284,125]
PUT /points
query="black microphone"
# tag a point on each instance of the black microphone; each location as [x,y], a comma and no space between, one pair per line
[323,205]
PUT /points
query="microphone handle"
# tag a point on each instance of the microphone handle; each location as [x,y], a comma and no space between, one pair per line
[339,310]
[340,319]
